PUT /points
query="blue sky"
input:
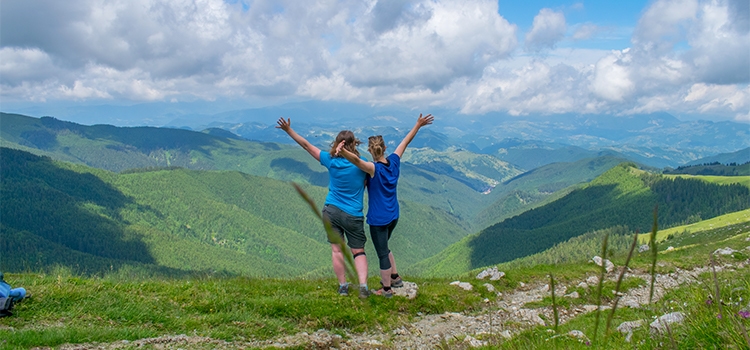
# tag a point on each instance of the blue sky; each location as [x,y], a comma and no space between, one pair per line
[690,58]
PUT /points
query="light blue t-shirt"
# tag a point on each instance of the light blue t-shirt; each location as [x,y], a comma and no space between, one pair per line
[381,190]
[346,184]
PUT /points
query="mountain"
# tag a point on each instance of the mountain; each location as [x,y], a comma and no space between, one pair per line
[176,221]
[456,174]
[542,185]
[622,196]
[739,157]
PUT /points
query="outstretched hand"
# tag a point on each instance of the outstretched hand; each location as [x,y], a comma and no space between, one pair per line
[426,120]
[285,125]
[339,147]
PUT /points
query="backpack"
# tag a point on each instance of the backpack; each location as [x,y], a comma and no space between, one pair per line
[6,304]
[6,301]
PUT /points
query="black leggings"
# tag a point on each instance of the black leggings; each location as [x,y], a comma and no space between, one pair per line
[380,236]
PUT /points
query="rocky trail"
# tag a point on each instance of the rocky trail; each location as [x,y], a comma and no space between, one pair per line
[504,317]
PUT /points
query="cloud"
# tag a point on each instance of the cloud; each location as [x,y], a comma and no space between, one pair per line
[685,55]
[586,31]
[548,28]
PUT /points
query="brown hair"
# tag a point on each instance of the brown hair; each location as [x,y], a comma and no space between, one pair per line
[350,143]
[376,146]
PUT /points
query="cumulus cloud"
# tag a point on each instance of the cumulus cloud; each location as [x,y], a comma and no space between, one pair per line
[685,55]
[548,28]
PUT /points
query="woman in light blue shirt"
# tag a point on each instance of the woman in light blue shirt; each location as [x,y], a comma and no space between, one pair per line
[343,205]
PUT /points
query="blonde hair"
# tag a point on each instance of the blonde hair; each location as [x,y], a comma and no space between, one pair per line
[376,146]
[351,142]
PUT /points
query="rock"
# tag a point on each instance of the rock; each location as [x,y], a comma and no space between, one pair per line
[462,285]
[660,324]
[506,334]
[608,265]
[592,280]
[643,248]
[490,288]
[669,249]
[474,342]
[409,290]
[724,251]
[628,327]
[573,295]
[583,285]
[579,335]
[529,315]
[521,284]
[492,273]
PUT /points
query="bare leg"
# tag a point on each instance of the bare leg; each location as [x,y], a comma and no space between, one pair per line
[361,263]
[385,277]
[338,263]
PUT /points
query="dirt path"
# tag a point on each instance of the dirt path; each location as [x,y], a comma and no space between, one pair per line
[505,317]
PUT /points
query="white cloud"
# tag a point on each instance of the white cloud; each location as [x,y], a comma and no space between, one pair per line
[586,31]
[548,28]
[685,55]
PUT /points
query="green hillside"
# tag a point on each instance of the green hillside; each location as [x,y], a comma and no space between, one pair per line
[540,186]
[121,149]
[623,196]
[127,309]
[715,168]
[178,220]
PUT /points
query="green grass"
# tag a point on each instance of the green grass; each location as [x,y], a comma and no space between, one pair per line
[719,221]
[69,309]
[66,308]
[721,180]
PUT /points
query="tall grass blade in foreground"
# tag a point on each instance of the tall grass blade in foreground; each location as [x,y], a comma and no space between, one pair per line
[654,253]
[351,269]
[717,292]
[602,273]
[554,302]
[619,282]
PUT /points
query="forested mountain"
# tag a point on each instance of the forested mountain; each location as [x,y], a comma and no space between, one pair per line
[452,183]
[715,168]
[623,196]
[176,221]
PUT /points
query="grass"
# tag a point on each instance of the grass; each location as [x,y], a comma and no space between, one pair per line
[70,309]
[66,308]
[704,225]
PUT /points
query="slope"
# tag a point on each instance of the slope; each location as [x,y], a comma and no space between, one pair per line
[178,220]
[623,196]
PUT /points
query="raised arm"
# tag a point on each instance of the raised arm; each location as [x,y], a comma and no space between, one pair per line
[421,121]
[286,125]
[367,167]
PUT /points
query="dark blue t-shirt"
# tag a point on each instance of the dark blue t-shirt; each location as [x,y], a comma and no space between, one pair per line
[381,190]
[346,184]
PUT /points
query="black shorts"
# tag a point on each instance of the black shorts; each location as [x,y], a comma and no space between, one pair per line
[350,228]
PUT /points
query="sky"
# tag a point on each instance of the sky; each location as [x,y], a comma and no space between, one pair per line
[690,58]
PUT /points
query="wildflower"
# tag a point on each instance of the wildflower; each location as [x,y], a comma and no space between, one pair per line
[718,316]
[709,301]
[744,314]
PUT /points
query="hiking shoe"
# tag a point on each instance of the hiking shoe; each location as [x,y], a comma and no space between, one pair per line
[397,283]
[344,289]
[386,293]
[364,292]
